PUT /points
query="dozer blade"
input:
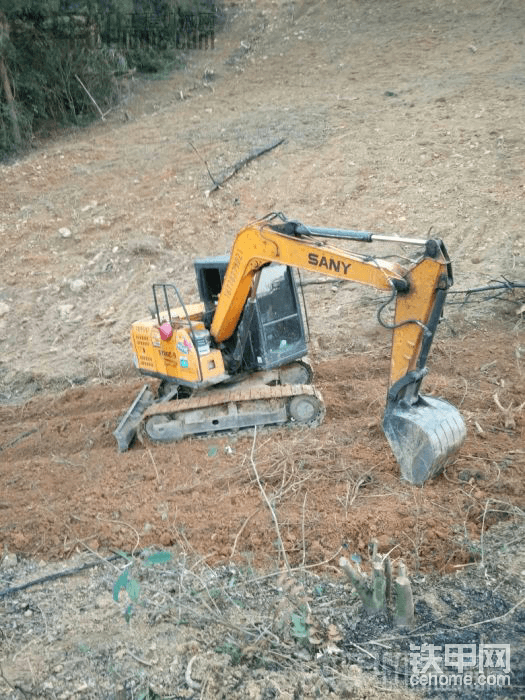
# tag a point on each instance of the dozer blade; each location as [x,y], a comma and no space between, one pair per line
[127,428]
[423,436]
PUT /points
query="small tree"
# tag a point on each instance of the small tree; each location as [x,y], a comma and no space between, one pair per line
[4,78]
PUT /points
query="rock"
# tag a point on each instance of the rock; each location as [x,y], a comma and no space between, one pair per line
[77,286]
[4,308]
[65,232]
[166,539]
[96,257]
[9,560]
[64,310]
[104,601]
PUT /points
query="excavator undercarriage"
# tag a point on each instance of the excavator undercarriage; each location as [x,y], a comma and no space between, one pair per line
[234,409]
[236,359]
[269,398]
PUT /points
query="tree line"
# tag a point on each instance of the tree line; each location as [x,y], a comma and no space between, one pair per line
[62,61]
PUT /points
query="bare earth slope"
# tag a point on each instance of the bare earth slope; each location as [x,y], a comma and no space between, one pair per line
[398,117]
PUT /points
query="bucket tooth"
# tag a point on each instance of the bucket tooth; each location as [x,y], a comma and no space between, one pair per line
[423,436]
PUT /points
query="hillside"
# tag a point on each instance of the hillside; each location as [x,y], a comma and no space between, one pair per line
[402,117]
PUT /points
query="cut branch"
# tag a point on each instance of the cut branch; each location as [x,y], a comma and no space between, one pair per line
[241,163]
[268,502]
[509,412]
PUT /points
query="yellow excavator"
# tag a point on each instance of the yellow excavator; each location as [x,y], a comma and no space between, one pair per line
[236,359]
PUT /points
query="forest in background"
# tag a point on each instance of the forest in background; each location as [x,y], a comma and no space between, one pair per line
[63,62]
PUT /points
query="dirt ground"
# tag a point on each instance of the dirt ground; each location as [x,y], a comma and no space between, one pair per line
[399,117]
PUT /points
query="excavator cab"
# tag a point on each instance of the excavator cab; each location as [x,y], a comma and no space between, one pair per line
[271,332]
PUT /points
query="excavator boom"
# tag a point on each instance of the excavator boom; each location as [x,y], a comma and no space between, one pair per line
[416,288]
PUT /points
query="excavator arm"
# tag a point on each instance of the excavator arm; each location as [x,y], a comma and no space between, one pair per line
[423,432]
[419,290]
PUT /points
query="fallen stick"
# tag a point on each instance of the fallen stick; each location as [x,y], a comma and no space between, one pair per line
[56,575]
[241,163]
[22,436]
[102,115]
[194,685]
[205,163]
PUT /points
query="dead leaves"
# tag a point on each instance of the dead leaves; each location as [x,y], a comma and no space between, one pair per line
[295,619]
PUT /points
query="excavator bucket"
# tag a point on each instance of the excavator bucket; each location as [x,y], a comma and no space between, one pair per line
[423,436]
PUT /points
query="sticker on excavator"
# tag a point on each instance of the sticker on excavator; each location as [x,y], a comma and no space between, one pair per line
[423,436]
